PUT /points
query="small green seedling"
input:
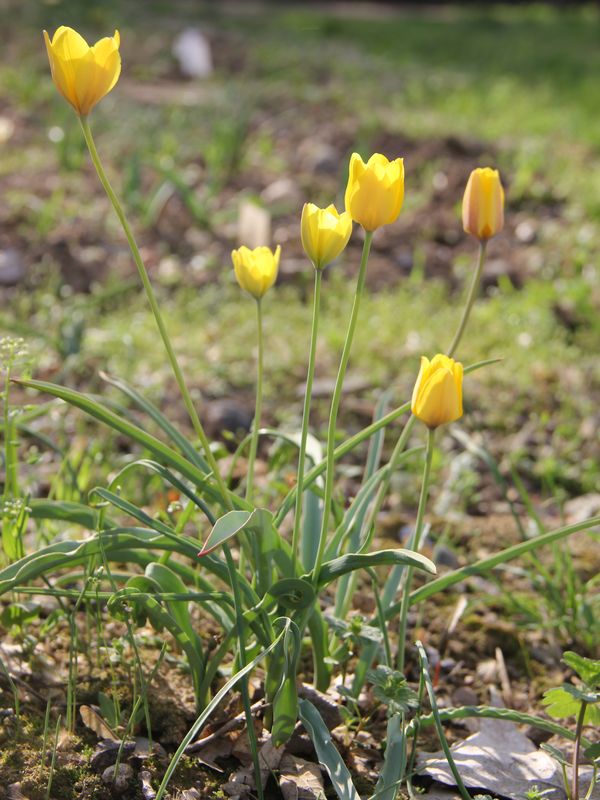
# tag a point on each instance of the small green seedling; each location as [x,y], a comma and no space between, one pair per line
[583,703]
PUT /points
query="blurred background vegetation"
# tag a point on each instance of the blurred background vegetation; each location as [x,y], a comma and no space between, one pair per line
[294,89]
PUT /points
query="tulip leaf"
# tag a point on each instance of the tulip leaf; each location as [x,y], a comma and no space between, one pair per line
[319,636]
[102,413]
[133,510]
[394,761]
[64,510]
[485,564]
[327,752]
[145,405]
[293,594]
[117,544]
[285,702]
[351,562]
[169,477]
[230,524]
[209,711]
[141,599]
[312,508]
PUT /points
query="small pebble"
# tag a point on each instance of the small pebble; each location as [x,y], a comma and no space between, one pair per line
[105,755]
[146,781]
[120,782]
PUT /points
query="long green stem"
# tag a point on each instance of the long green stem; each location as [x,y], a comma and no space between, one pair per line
[335,403]
[470,299]
[415,546]
[306,411]
[576,749]
[193,414]
[10,484]
[340,451]
[349,445]
[258,405]
[239,623]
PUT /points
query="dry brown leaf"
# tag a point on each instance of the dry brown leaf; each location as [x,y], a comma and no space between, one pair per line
[92,720]
[300,779]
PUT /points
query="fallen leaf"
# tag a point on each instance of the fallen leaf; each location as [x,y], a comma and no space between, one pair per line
[300,779]
[502,760]
[92,720]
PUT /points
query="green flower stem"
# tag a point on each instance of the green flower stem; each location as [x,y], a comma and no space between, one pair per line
[244,683]
[346,447]
[470,299]
[576,750]
[10,482]
[335,403]
[414,546]
[199,430]
[258,405]
[306,411]
[339,452]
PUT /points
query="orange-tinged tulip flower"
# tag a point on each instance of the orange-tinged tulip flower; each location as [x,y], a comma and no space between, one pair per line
[256,270]
[483,204]
[325,233]
[83,74]
[375,190]
[437,396]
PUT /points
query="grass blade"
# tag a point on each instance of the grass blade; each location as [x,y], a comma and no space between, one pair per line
[491,712]
[438,723]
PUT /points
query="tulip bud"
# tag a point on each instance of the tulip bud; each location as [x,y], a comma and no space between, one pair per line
[375,190]
[437,396]
[83,74]
[256,270]
[483,204]
[325,233]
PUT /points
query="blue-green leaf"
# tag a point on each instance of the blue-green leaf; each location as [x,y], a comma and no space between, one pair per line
[327,752]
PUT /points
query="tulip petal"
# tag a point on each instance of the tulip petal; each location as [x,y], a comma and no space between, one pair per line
[483,204]
[437,395]
[83,74]
[375,190]
[69,45]
[256,270]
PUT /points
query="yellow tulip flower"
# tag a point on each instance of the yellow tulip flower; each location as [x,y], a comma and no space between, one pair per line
[483,204]
[375,190]
[83,74]
[256,270]
[437,396]
[325,233]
